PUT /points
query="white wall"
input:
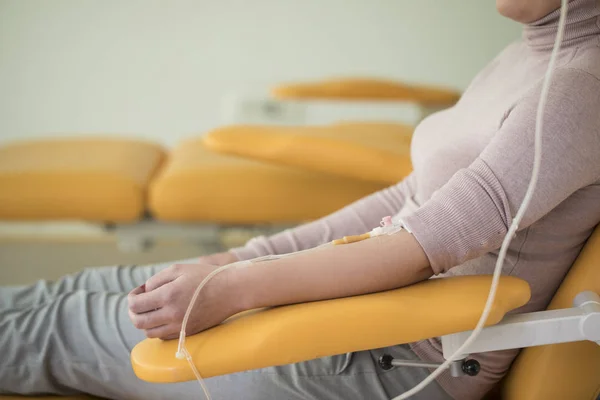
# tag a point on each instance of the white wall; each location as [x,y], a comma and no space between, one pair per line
[160,69]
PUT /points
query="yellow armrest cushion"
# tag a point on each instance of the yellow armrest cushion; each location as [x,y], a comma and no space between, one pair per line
[300,332]
[362,152]
[367,89]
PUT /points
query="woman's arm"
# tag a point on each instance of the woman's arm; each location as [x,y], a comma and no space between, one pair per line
[356,218]
[372,265]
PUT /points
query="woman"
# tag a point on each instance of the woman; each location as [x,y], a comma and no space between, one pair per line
[472,164]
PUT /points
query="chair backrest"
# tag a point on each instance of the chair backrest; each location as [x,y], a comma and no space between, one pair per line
[567,370]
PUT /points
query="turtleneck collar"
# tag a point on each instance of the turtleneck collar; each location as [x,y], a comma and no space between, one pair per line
[583,24]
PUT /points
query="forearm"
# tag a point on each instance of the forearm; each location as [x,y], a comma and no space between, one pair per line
[361,216]
[373,265]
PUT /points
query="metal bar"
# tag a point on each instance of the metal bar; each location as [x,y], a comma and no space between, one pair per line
[534,329]
[411,363]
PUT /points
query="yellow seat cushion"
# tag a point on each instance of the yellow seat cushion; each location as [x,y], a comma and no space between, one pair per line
[367,89]
[200,185]
[96,179]
[378,153]
[300,332]
[565,370]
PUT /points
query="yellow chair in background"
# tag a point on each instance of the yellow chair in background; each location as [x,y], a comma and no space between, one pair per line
[301,173]
[361,89]
[428,98]
[88,178]
[369,152]
[115,180]
[200,185]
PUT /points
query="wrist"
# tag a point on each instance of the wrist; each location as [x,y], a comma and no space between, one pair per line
[243,291]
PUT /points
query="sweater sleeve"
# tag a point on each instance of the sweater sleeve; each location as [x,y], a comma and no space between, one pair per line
[359,217]
[470,215]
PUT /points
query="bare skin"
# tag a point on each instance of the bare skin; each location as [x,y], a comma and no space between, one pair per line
[526,11]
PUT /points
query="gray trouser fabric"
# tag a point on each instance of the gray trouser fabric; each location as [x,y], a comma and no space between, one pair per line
[74,336]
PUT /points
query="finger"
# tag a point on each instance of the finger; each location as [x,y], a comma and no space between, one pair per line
[161,278]
[151,320]
[147,301]
[165,332]
[131,316]
[138,290]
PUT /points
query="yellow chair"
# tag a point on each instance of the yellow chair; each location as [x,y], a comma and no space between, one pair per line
[199,183]
[428,99]
[436,307]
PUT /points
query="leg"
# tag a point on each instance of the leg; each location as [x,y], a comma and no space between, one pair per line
[78,342]
[81,341]
[119,279]
[353,376]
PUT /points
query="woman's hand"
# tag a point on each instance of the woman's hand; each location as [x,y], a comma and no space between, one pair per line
[158,307]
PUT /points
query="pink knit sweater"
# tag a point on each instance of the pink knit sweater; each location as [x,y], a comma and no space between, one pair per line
[472,164]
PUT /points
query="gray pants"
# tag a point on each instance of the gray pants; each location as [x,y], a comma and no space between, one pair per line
[74,336]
